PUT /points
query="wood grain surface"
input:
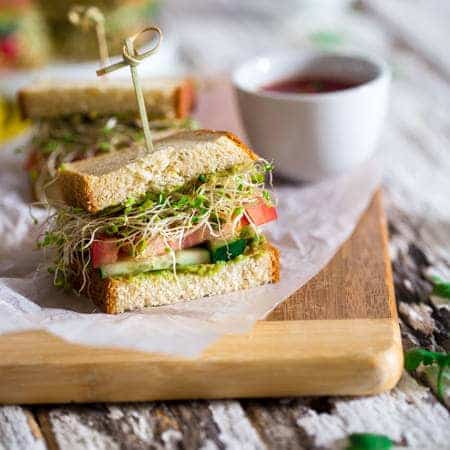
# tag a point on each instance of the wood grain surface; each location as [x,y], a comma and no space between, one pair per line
[356,284]
[351,336]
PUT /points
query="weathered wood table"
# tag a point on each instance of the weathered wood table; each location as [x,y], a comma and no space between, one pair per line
[416,150]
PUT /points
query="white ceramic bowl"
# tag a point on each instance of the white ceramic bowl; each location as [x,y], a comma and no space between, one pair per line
[313,136]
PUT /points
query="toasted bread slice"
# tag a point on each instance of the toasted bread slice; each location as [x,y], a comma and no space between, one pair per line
[117,295]
[164,98]
[52,192]
[107,180]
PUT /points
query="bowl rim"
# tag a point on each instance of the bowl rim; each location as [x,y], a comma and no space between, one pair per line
[383,75]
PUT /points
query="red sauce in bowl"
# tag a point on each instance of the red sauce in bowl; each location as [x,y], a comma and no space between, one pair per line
[306,85]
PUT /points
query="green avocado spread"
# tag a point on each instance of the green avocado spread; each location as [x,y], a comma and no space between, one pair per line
[256,248]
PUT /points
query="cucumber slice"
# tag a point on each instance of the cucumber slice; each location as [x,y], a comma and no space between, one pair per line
[222,250]
[130,266]
[192,257]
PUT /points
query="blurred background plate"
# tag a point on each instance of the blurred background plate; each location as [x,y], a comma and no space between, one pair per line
[162,63]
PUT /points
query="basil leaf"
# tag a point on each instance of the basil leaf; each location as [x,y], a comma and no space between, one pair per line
[417,356]
[414,357]
[441,288]
[369,441]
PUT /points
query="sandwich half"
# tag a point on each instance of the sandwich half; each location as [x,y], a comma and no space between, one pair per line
[80,120]
[147,229]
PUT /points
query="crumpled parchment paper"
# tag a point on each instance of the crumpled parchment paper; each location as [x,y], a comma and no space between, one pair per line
[314,221]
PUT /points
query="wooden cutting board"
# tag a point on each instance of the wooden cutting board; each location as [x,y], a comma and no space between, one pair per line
[338,335]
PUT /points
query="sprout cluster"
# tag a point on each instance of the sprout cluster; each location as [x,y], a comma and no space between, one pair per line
[212,200]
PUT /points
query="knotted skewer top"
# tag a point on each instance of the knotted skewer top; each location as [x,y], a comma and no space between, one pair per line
[85,17]
[132,58]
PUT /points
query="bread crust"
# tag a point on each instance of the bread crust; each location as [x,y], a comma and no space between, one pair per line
[276,264]
[105,292]
[168,98]
[77,188]
[240,144]
[233,137]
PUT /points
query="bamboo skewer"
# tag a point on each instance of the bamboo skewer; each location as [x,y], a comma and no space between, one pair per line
[85,18]
[132,58]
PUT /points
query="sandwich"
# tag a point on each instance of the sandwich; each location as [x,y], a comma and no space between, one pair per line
[145,229]
[80,120]
[122,18]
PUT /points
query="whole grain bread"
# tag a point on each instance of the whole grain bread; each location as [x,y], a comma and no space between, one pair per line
[52,192]
[110,179]
[165,98]
[117,295]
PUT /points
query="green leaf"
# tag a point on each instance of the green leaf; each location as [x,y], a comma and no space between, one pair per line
[441,288]
[183,201]
[369,441]
[129,204]
[267,196]
[440,381]
[189,124]
[33,174]
[141,246]
[49,147]
[139,136]
[69,137]
[147,204]
[161,198]
[49,239]
[112,229]
[197,202]
[130,201]
[60,280]
[416,356]
[258,178]
[77,210]
[104,146]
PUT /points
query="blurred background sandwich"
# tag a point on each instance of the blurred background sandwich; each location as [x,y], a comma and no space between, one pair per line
[75,121]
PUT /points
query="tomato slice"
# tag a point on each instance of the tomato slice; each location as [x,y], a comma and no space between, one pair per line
[31,161]
[192,239]
[260,213]
[104,251]
[186,99]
